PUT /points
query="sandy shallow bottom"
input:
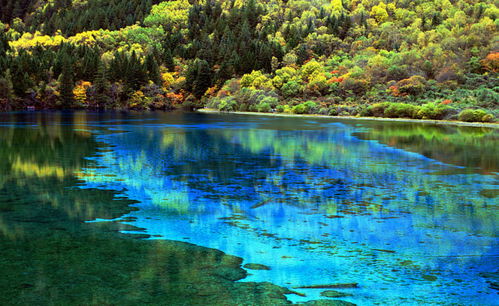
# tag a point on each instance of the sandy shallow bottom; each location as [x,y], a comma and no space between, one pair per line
[51,255]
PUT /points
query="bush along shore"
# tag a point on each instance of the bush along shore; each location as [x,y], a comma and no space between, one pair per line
[413,98]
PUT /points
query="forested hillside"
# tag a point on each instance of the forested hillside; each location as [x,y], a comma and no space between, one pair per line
[434,59]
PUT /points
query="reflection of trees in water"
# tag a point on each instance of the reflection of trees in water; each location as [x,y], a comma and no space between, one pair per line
[50,256]
[41,161]
[462,146]
[326,170]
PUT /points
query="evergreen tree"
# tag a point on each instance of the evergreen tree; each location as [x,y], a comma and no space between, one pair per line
[302,53]
[136,73]
[4,44]
[6,87]
[20,77]
[435,20]
[168,60]
[66,83]
[224,73]
[18,10]
[203,78]
[101,86]
[153,69]
[4,48]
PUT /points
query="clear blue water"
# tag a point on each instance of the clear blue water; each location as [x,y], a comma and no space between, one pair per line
[407,211]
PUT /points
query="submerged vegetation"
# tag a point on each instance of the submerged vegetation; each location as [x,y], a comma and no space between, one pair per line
[416,59]
[50,255]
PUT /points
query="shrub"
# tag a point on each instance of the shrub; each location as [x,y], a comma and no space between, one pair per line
[401,110]
[227,104]
[491,62]
[323,111]
[252,97]
[310,68]
[448,74]
[333,112]
[271,101]
[285,75]
[488,118]
[343,110]
[243,108]
[139,101]
[248,79]
[396,73]
[487,98]
[263,107]
[299,109]
[414,85]
[475,115]
[287,109]
[317,83]
[378,109]
[355,86]
[231,86]
[433,111]
[305,108]
[291,89]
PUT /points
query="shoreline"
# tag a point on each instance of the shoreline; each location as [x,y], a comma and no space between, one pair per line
[429,121]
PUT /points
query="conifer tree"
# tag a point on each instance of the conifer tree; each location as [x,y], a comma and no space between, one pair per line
[18,10]
[4,44]
[224,72]
[203,79]
[153,69]
[4,47]
[135,73]
[168,60]
[191,75]
[66,83]
[101,86]
[302,53]
[6,88]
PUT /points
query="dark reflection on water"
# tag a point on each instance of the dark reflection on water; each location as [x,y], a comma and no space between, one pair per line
[49,256]
[470,147]
[408,211]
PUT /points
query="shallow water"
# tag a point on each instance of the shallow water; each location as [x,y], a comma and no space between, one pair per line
[407,211]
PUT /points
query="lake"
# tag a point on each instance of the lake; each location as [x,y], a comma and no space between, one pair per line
[406,211]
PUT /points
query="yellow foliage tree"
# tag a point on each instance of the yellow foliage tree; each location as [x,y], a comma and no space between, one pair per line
[168,80]
[80,93]
[379,12]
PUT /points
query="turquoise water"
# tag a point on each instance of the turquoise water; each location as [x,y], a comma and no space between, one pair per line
[407,211]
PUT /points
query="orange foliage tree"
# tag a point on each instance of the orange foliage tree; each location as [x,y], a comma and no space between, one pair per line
[491,62]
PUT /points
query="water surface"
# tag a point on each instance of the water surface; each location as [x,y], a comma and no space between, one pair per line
[406,210]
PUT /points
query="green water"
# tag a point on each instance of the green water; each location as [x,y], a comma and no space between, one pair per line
[407,211]
[50,256]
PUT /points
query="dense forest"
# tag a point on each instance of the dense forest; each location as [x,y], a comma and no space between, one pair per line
[435,59]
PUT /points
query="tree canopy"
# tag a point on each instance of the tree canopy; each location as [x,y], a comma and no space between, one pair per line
[334,52]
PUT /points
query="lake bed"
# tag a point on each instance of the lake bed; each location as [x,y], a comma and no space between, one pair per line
[406,211]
